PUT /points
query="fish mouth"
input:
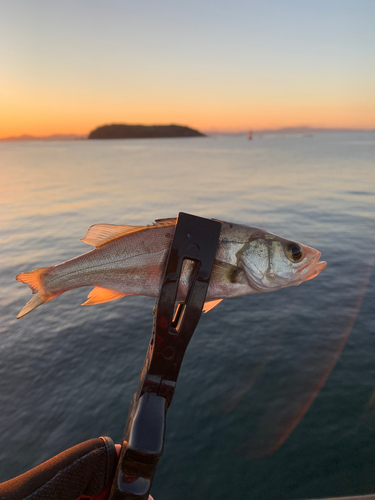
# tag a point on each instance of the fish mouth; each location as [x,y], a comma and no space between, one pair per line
[317,269]
[315,266]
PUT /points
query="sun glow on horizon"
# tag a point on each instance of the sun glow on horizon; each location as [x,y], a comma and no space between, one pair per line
[64,116]
[250,67]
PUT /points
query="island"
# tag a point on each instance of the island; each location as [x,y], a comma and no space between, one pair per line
[122,131]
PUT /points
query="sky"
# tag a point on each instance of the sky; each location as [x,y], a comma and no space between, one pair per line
[69,66]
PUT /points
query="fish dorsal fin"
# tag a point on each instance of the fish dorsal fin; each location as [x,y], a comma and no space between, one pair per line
[210,305]
[100,295]
[100,234]
[165,222]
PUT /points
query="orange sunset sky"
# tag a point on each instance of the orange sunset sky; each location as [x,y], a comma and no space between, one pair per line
[67,67]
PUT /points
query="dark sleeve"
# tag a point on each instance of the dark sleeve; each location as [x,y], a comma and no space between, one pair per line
[84,469]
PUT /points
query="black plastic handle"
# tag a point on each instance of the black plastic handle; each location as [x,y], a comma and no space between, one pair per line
[195,240]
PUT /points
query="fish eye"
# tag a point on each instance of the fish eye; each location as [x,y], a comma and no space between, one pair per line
[294,252]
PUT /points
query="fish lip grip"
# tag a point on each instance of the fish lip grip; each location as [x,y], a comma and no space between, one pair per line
[195,239]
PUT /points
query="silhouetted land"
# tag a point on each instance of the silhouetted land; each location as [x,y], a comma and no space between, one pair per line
[308,130]
[171,132]
[54,137]
[121,131]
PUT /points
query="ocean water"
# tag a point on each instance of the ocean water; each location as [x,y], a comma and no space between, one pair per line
[275,397]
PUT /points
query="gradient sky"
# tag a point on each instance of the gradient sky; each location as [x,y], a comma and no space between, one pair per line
[68,66]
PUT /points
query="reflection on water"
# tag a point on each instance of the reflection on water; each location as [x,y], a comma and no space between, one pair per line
[302,387]
[255,363]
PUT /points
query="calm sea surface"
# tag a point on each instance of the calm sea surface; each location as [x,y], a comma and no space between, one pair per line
[275,398]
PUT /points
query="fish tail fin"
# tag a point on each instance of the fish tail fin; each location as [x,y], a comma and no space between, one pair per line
[35,281]
[31,305]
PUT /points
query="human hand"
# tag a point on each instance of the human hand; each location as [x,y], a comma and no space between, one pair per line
[84,471]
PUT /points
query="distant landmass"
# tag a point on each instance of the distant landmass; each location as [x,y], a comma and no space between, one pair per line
[54,137]
[118,131]
[308,130]
[293,130]
[122,131]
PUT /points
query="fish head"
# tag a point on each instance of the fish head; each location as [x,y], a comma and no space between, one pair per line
[271,262]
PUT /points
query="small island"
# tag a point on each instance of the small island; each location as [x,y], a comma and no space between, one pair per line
[122,131]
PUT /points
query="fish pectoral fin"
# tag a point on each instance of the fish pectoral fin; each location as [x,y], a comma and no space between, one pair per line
[210,305]
[224,271]
[100,295]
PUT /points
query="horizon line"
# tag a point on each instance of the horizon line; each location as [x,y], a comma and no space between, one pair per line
[213,131]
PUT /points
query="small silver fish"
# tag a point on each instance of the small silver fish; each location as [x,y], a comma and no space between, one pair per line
[130,260]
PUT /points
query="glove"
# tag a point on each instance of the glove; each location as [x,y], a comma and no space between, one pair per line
[84,471]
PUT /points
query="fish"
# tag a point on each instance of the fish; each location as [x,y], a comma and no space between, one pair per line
[130,260]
